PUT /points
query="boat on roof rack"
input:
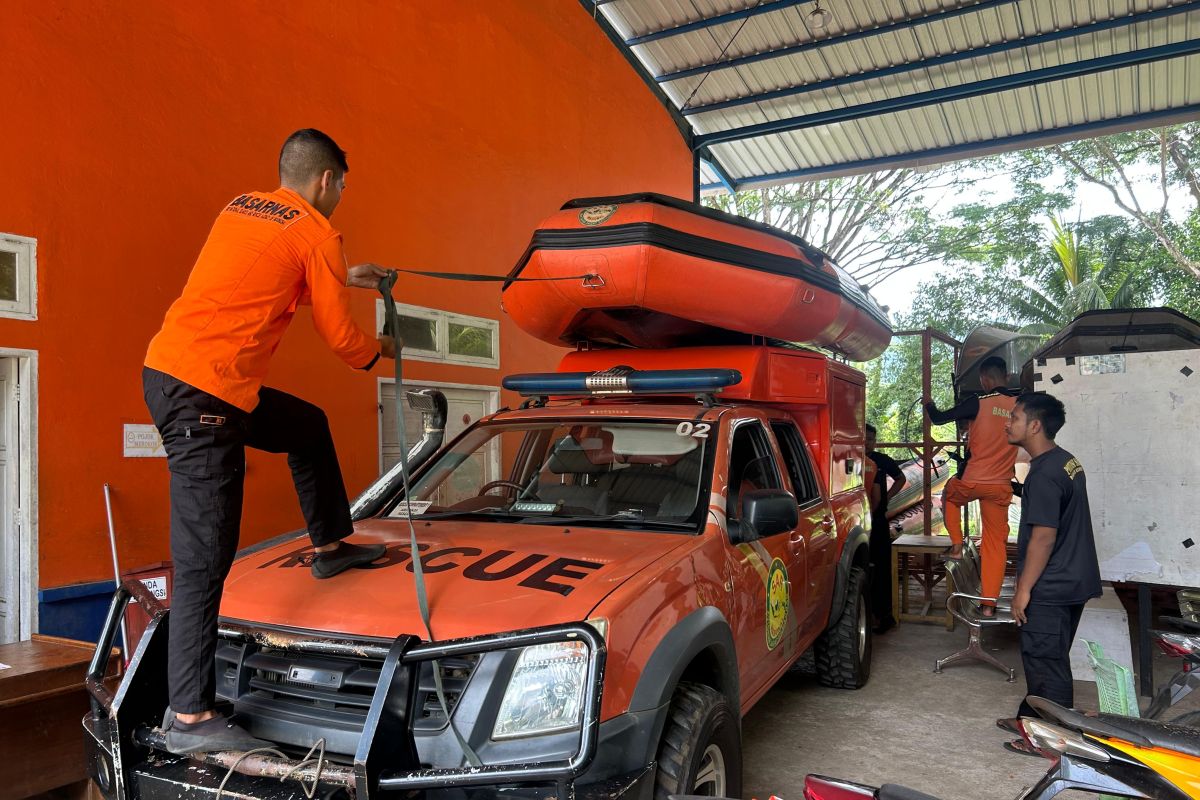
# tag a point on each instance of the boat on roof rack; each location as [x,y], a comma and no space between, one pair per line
[654,271]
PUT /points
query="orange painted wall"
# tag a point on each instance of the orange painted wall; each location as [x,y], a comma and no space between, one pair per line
[129,125]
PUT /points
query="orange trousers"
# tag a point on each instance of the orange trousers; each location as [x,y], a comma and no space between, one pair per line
[994,500]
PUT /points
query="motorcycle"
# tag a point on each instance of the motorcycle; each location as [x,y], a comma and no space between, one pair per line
[1103,753]
[1183,643]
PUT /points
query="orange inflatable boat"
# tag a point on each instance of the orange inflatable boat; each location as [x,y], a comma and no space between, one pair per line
[654,271]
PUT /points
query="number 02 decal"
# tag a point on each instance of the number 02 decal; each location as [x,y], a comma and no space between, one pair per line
[696,431]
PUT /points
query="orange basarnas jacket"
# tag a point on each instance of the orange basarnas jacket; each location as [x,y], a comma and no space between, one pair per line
[267,253]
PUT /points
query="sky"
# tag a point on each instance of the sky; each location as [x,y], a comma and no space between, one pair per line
[898,291]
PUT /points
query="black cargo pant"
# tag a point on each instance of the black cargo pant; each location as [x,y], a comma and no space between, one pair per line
[881,568]
[205,439]
[1046,639]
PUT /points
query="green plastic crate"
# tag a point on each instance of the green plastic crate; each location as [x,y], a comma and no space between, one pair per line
[1114,683]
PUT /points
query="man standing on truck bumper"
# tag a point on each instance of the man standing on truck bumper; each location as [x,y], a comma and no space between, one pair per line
[1057,568]
[267,253]
[989,473]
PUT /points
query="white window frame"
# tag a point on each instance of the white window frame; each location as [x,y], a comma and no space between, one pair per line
[25,249]
[442,320]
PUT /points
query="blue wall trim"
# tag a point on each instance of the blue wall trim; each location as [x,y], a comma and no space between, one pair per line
[76,611]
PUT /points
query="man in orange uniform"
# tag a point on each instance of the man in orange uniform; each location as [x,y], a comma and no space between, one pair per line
[989,470]
[267,253]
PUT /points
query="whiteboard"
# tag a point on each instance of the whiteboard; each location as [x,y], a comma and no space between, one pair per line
[1133,421]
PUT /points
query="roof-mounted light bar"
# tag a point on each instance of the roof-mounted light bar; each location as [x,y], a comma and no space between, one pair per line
[622,380]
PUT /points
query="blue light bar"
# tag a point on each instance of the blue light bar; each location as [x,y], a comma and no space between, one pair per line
[623,380]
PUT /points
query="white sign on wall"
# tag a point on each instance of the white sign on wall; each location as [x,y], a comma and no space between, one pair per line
[143,441]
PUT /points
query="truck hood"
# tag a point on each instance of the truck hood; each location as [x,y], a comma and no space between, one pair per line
[480,578]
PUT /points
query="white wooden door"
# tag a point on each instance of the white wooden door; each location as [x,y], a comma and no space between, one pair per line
[10,532]
[464,407]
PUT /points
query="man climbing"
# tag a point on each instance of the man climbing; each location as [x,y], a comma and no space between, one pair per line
[267,253]
[988,475]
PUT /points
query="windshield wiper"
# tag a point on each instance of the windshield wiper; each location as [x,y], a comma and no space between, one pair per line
[625,518]
[497,512]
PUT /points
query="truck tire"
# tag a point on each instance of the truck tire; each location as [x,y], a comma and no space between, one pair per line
[701,748]
[843,651]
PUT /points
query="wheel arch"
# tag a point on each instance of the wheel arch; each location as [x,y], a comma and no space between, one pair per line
[856,552]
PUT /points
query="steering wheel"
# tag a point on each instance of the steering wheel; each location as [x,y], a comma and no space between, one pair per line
[487,487]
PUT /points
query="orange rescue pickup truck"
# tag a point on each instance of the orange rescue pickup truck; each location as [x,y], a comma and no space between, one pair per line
[661,535]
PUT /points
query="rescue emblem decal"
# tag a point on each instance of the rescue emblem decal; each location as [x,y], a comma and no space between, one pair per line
[778,601]
[596,215]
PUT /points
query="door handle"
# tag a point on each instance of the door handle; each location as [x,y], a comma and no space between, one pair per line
[827,523]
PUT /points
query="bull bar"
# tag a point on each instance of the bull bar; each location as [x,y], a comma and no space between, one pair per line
[121,729]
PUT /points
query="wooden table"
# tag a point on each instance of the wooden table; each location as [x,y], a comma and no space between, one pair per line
[916,557]
[42,701]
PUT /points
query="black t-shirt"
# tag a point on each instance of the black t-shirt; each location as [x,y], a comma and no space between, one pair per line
[1055,495]
[885,467]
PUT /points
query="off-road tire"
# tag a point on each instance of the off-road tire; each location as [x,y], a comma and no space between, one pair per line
[699,717]
[843,651]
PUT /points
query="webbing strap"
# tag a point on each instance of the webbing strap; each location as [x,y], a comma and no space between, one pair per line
[392,325]
[481,278]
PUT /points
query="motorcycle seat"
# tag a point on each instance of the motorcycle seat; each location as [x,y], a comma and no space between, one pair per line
[1136,731]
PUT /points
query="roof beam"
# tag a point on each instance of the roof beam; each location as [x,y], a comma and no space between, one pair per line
[819,44]
[949,58]
[722,177]
[954,152]
[950,93]
[721,19]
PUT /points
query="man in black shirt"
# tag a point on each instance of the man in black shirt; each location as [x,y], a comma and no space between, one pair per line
[1057,568]
[881,539]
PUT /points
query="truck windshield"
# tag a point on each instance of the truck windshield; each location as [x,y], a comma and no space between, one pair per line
[627,473]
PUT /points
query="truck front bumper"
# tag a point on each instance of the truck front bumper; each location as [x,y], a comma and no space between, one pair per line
[127,760]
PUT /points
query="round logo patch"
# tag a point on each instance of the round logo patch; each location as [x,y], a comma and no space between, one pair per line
[778,602]
[595,215]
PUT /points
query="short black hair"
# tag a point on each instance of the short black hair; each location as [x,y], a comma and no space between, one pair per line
[871,429]
[1045,408]
[994,367]
[307,154]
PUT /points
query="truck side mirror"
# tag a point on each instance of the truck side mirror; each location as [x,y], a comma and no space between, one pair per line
[766,512]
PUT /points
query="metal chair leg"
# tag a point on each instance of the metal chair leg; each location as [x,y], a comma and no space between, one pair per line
[974,650]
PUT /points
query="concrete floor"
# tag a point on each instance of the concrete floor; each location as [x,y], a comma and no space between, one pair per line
[934,733]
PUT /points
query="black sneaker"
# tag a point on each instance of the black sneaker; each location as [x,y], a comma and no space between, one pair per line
[210,736]
[326,565]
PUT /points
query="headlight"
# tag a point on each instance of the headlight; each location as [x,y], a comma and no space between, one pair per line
[545,693]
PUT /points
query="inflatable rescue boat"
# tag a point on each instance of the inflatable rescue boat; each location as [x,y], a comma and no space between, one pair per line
[653,271]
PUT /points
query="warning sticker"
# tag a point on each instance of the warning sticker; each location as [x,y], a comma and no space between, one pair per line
[418,507]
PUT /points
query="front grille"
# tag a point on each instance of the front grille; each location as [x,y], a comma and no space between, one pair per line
[295,698]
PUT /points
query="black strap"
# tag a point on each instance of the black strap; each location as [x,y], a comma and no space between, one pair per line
[480,278]
[392,326]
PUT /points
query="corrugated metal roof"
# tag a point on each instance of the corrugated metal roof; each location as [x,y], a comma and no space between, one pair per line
[766,97]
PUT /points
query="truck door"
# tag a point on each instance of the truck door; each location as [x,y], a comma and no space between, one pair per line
[764,570]
[815,538]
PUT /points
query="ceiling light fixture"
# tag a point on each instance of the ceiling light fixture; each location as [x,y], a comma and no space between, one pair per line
[819,17]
